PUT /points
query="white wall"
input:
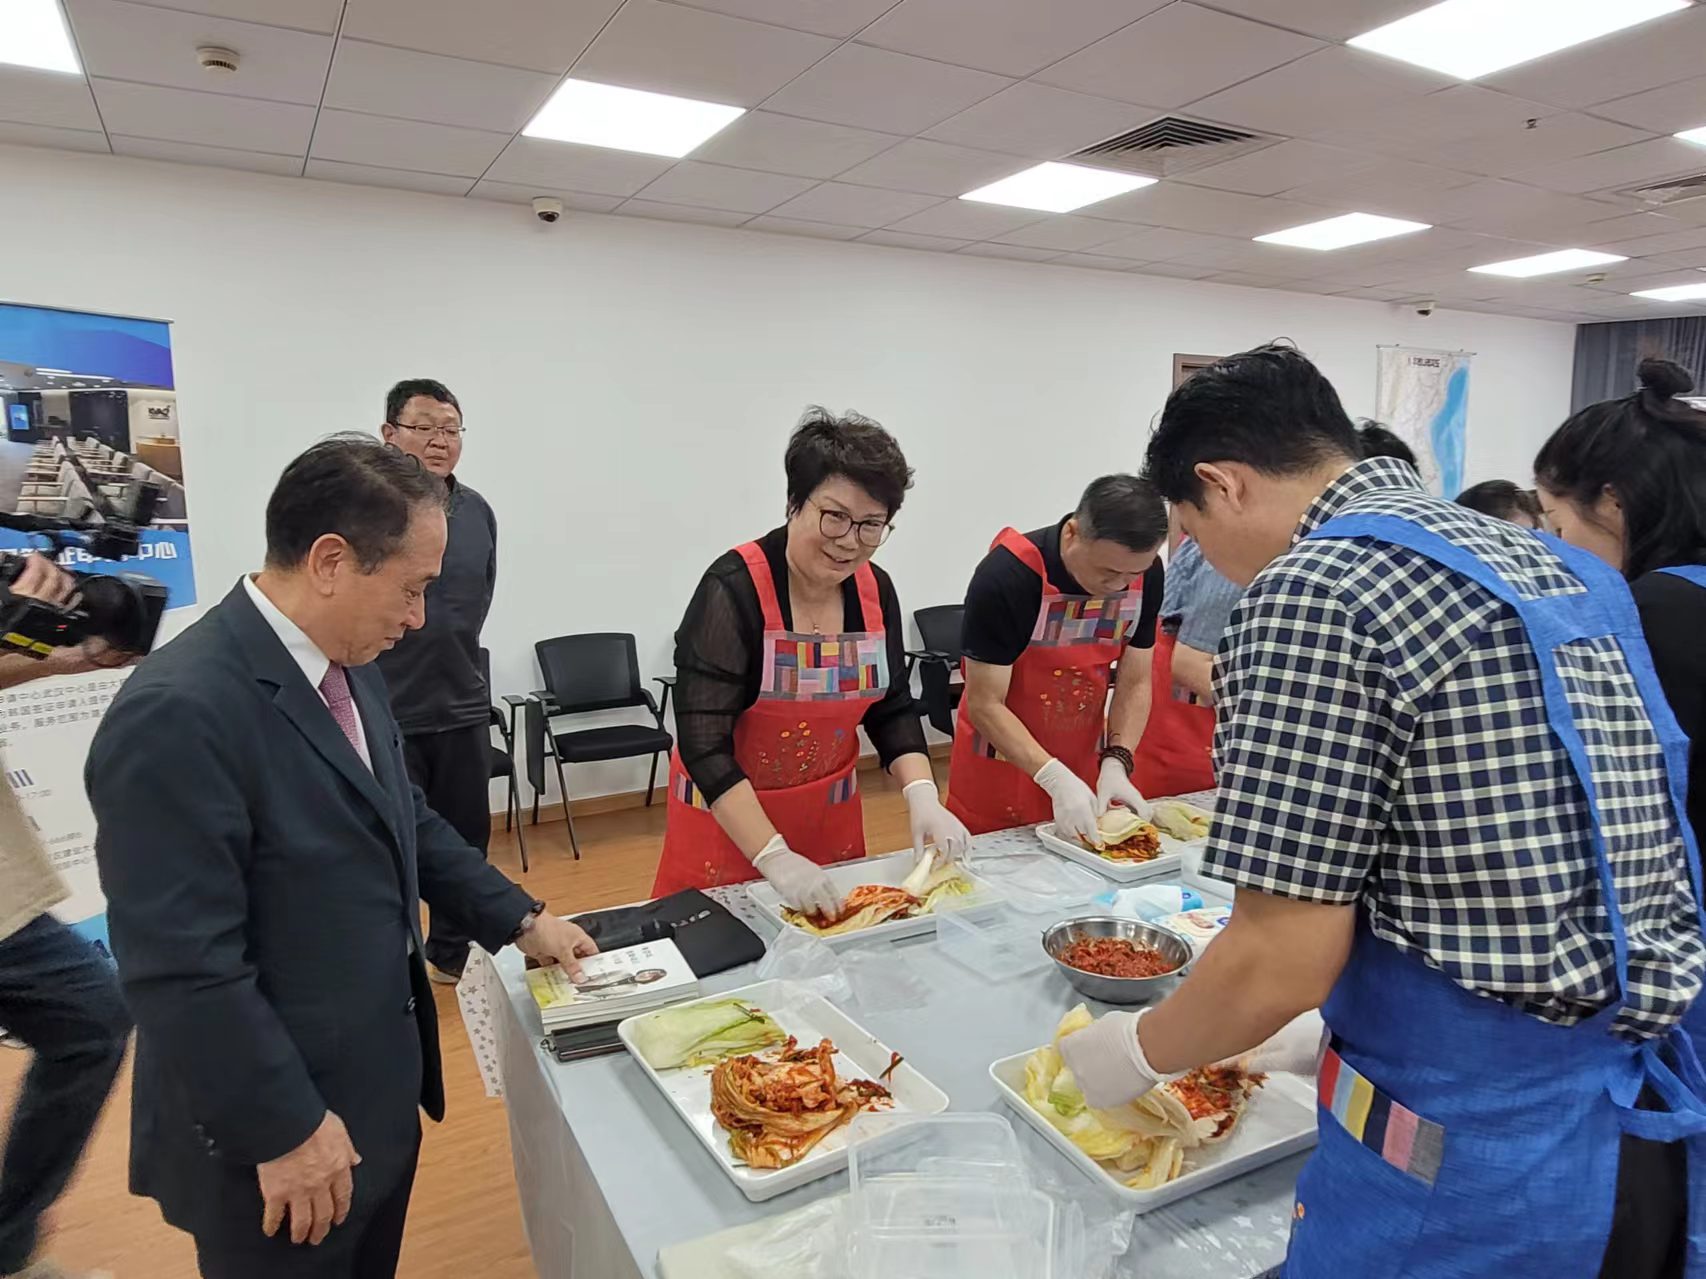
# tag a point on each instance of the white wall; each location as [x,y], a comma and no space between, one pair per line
[629,384]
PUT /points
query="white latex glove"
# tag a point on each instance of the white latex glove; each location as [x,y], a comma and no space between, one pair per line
[1113,786]
[798,881]
[1108,1062]
[1074,803]
[933,824]
[1294,1049]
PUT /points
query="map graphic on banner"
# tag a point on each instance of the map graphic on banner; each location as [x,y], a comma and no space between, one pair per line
[1423,396]
[90,409]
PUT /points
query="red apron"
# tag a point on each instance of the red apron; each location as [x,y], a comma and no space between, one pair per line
[1175,755]
[798,745]
[1059,692]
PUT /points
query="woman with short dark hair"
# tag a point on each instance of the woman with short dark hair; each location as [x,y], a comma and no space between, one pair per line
[791,644]
[1503,500]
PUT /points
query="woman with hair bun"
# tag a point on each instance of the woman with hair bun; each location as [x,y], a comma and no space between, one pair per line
[1626,480]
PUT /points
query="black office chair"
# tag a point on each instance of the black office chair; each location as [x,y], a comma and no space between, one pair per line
[595,672]
[503,757]
[938,663]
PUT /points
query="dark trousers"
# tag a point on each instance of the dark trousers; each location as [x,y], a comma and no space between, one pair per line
[454,770]
[366,1246]
[60,996]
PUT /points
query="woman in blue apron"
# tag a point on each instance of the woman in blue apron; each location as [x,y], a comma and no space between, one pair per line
[1460,1135]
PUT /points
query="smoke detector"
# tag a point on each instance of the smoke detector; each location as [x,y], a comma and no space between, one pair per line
[216,60]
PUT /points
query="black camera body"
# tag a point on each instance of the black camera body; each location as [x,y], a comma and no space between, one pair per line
[122,609]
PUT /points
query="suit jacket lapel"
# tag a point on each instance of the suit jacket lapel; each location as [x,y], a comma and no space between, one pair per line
[388,772]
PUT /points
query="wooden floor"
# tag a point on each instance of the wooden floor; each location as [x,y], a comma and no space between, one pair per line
[464,1220]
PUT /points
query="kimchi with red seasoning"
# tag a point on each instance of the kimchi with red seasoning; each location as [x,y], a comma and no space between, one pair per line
[1115,957]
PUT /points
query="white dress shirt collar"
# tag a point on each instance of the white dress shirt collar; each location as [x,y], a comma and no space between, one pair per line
[304,651]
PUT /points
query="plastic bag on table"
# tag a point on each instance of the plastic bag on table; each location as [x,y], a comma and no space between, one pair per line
[804,960]
[881,979]
[801,1245]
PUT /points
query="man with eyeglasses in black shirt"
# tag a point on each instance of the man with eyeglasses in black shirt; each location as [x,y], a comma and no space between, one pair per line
[438,688]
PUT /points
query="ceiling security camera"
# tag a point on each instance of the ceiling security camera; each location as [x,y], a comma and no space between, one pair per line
[547,209]
[1425,308]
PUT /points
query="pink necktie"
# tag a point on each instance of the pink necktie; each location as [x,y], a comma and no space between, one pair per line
[334,687]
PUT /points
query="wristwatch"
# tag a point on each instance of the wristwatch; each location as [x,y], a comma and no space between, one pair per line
[527,921]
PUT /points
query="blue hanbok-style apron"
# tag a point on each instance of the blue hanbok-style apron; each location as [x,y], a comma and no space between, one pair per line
[1695,1022]
[1459,1136]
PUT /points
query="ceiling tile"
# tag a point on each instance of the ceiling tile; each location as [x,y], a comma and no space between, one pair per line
[401,179]
[1395,188]
[304,15]
[1671,109]
[39,135]
[911,240]
[965,220]
[1063,231]
[1095,262]
[1173,204]
[1317,93]
[838,18]
[157,46]
[1511,149]
[1158,244]
[788,144]
[1325,19]
[1378,294]
[210,119]
[1021,39]
[1670,242]
[48,98]
[693,54]
[1173,270]
[424,86]
[566,166]
[681,213]
[1252,280]
[1182,53]
[849,205]
[404,144]
[1511,209]
[1654,53]
[544,35]
[222,157]
[712,186]
[815,230]
[1279,168]
[1638,227]
[510,193]
[1408,124]
[1035,120]
[1637,165]
[934,168]
[1016,252]
[876,89]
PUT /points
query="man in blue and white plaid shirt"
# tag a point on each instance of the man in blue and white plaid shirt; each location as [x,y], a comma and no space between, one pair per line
[1446,803]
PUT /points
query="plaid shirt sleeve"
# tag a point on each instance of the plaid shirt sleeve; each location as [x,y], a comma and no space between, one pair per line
[1309,746]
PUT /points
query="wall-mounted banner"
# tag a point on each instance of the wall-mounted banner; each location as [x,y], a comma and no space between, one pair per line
[1424,397]
[89,408]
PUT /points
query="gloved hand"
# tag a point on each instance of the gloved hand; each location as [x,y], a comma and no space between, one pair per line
[1294,1049]
[1113,786]
[1108,1062]
[1074,804]
[798,881]
[933,824]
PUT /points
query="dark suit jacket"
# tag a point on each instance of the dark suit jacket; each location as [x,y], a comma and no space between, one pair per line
[263,893]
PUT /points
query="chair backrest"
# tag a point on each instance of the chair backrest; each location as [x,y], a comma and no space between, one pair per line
[939,628]
[591,672]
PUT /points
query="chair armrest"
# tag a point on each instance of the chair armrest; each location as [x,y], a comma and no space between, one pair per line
[651,704]
[513,700]
[668,683]
[929,655]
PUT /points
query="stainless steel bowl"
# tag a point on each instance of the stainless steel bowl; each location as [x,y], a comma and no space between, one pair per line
[1119,990]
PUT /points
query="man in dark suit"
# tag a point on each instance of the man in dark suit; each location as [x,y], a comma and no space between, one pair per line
[264,855]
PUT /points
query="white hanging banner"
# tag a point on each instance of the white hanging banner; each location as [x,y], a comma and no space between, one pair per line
[1423,396]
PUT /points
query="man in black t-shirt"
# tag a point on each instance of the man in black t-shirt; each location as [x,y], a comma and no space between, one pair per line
[435,674]
[1046,614]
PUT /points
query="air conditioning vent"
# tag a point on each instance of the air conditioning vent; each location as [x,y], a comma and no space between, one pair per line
[1172,145]
[1673,191]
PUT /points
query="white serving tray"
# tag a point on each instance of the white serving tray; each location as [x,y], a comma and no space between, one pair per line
[846,876]
[1279,1121]
[1168,865]
[809,1018]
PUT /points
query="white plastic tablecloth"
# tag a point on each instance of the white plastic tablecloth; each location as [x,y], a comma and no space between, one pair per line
[608,1174]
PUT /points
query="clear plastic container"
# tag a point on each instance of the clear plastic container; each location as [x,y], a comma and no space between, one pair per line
[949,1198]
[1039,883]
[997,942]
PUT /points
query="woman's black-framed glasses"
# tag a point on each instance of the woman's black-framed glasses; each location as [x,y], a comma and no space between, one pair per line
[834,524]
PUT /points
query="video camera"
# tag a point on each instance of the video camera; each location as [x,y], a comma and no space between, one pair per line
[124,609]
